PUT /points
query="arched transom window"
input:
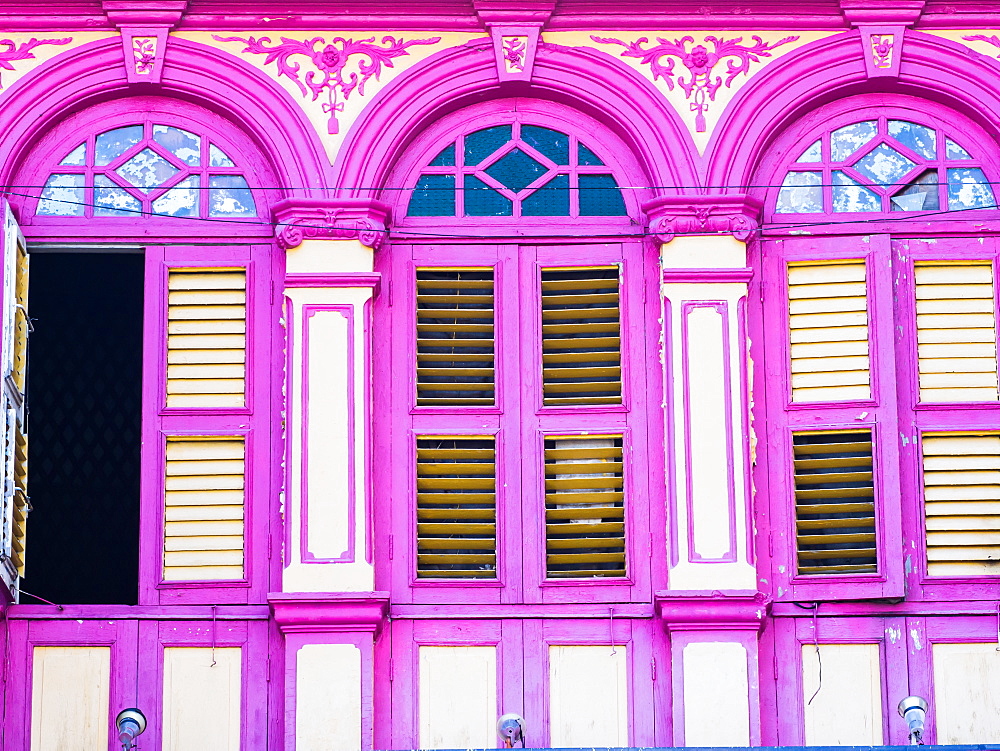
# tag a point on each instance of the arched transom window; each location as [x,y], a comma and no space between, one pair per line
[515,170]
[147,169]
[884,165]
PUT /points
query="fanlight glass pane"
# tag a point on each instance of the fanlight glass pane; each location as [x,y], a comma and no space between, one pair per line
[446,158]
[955,151]
[111,200]
[813,154]
[482,143]
[230,196]
[182,144]
[181,200]
[482,200]
[147,170]
[552,199]
[77,157]
[516,170]
[600,196]
[847,140]
[801,193]
[849,196]
[550,143]
[969,189]
[62,196]
[217,157]
[920,195]
[884,165]
[587,157]
[920,139]
[433,196]
[112,144]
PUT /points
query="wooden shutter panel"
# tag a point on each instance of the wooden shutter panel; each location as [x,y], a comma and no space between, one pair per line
[204,506]
[956,331]
[455,346]
[834,503]
[581,336]
[962,503]
[456,507]
[584,507]
[828,317]
[206,338]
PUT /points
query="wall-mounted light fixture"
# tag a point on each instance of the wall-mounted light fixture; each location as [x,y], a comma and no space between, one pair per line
[913,709]
[130,723]
[510,728]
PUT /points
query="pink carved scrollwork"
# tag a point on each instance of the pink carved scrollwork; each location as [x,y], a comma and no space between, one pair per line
[298,219]
[703,215]
[11,51]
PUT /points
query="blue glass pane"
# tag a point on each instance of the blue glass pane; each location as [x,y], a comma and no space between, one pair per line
[850,196]
[969,189]
[921,139]
[114,143]
[884,165]
[229,195]
[551,143]
[433,196]
[446,158]
[111,200]
[954,151]
[801,193]
[482,200]
[587,157]
[482,143]
[516,170]
[552,199]
[62,196]
[600,196]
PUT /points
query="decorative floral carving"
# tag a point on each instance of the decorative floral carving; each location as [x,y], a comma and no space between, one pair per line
[882,47]
[331,60]
[144,51]
[702,215]
[514,50]
[351,219]
[700,87]
[22,51]
[994,40]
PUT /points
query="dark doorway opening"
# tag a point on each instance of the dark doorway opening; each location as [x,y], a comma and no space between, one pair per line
[84,413]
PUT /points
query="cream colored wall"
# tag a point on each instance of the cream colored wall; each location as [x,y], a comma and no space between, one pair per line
[69,698]
[967,693]
[328,698]
[457,697]
[588,696]
[847,711]
[201,702]
[716,694]
[706,415]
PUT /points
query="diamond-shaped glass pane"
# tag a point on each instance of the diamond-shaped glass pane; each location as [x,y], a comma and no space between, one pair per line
[516,170]
[147,170]
[884,165]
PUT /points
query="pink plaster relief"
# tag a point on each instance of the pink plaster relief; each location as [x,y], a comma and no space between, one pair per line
[144,50]
[329,63]
[298,219]
[670,216]
[15,51]
[515,48]
[699,87]
[882,47]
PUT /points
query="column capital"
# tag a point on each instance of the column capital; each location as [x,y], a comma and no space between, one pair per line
[298,219]
[309,612]
[669,216]
[712,610]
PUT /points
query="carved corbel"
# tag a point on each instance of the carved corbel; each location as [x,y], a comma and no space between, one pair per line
[671,216]
[298,219]
[145,27]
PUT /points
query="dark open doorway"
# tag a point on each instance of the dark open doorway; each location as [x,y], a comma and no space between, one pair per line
[84,400]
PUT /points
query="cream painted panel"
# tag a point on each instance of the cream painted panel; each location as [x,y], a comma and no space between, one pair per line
[458,697]
[328,501]
[705,252]
[69,698]
[201,703]
[329,257]
[328,698]
[716,694]
[967,693]
[707,390]
[588,696]
[848,709]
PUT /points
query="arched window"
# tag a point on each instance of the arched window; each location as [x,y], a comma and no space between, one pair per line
[884,164]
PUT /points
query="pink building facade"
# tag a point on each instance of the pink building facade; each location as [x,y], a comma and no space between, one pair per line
[389,369]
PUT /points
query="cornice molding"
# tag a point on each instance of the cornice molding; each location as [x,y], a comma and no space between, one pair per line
[144,12]
[513,12]
[882,12]
[298,219]
[310,612]
[743,610]
[670,216]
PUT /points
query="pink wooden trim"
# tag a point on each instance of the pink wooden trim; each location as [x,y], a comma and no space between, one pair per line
[367,427]
[722,308]
[746,394]
[291,416]
[707,276]
[326,613]
[340,279]
[348,556]
[673,533]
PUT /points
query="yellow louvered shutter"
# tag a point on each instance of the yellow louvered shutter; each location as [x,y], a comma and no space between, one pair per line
[834,503]
[456,507]
[581,336]
[584,507]
[956,331]
[455,347]
[204,508]
[206,343]
[962,503]
[828,317]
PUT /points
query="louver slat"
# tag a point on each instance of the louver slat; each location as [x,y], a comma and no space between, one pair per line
[962,503]
[456,507]
[203,536]
[584,507]
[956,331]
[834,503]
[21,505]
[206,338]
[455,346]
[581,344]
[828,317]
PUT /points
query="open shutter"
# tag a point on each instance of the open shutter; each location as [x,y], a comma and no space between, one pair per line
[15,436]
